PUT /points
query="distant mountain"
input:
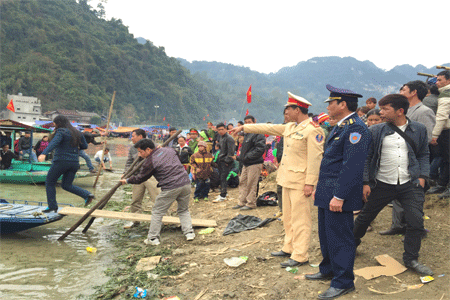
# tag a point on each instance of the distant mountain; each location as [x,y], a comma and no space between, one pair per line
[306,79]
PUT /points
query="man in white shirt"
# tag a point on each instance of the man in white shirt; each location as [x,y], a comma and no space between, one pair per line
[396,168]
[415,91]
[106,158]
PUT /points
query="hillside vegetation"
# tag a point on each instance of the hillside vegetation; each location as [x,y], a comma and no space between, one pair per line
[65,54]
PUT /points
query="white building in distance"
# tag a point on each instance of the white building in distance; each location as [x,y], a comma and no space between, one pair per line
[28,109]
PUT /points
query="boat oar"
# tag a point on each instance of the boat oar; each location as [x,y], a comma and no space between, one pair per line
[108,196]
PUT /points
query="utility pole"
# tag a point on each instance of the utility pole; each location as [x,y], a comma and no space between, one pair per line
[156,113]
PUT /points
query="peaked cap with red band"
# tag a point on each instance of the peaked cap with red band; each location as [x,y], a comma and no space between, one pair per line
[295,100]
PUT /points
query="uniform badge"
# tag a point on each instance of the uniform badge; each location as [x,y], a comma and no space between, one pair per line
[355,137]
[319,138]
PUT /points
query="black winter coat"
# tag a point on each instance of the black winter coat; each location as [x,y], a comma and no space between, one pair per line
[252,149]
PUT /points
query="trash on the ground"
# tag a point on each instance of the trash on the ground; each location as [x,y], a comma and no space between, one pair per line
[140,293]
[91,249]
[128,193]
[193,265]
[235,261]
[314,265]
[389,267]
[242,223]
[151,275]
[300,277]
[292,270]
[426,279]
[207,230]
[415,287]
[172,298]
[148,263]
[267,199]
[426,217]
[442,275]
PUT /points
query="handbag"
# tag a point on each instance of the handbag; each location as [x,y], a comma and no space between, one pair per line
[413,146]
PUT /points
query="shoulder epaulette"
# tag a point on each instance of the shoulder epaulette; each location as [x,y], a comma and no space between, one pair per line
[348,122]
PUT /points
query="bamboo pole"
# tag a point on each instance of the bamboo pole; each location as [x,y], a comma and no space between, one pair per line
[130,172]
[442,67]
[106,136]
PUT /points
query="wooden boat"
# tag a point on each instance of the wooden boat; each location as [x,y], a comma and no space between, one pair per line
[18,165]
[29,177]
[19,215]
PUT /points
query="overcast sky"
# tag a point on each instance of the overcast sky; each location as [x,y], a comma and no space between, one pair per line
[268,35]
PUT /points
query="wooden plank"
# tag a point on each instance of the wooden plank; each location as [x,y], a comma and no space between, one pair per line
[78,211]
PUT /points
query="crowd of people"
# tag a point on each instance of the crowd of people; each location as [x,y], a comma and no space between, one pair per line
[350,161]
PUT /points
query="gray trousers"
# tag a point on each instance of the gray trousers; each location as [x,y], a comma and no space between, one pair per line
[162,203]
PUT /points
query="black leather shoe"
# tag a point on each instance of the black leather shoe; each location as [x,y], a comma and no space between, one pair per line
[333,293]
[48,210]
[281,253]
[419,268]
[237,206]
[292,263]
[319,276]
[445,194]
[393,231]
[436,190]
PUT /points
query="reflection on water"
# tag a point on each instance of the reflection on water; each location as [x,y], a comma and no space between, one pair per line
[34,265]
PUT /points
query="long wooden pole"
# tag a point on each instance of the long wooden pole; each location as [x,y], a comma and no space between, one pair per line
[108,196]
[443,67]
[103,201]
[104,140]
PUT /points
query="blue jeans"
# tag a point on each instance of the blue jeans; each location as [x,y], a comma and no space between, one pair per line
[67,169]
[202,188]
[30,152]
[87,159]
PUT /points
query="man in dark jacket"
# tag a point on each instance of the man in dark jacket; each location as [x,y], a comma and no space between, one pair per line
[25,146]
[396,168]
[250,156]
[6,156]
[90,139]
[225,159]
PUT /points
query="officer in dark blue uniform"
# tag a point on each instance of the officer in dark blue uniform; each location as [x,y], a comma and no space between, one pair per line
[339,192]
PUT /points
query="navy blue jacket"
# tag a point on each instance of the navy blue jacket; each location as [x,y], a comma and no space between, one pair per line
[62,143]
[419,165]
[341,171]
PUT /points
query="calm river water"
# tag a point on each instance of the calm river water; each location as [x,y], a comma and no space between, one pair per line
[34,265]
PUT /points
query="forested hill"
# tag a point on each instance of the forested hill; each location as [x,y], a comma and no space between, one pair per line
[67,55]
[307,79]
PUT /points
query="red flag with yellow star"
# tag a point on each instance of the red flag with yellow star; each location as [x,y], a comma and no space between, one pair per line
[249,94]
[10,106]
[246,113]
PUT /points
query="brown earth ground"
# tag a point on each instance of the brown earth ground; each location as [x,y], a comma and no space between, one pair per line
[204,275]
